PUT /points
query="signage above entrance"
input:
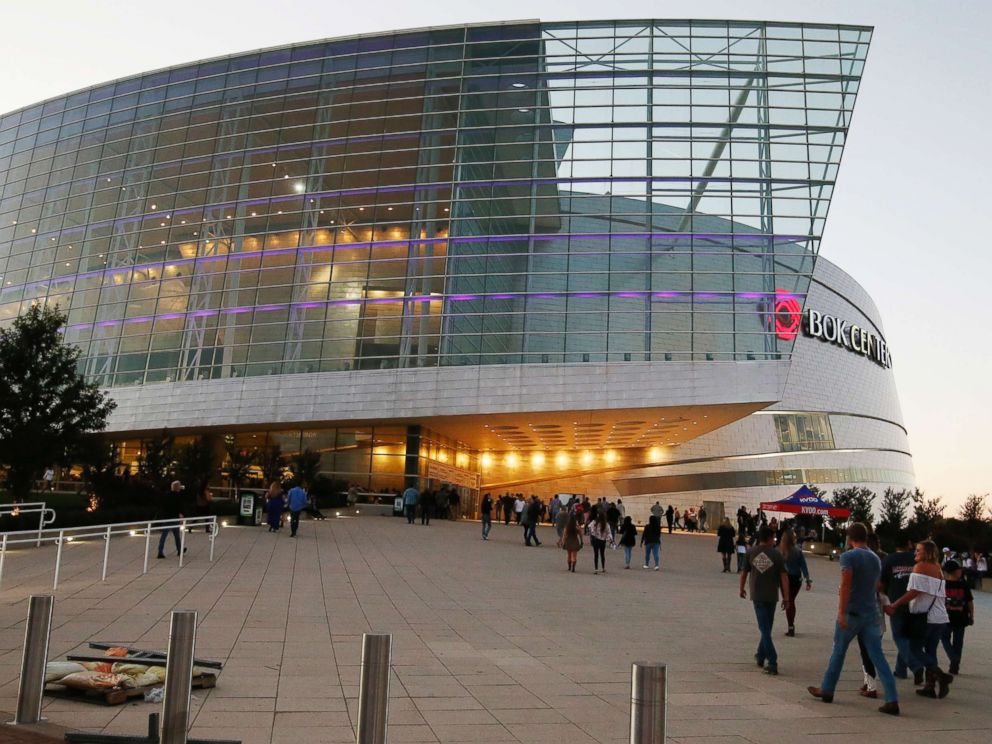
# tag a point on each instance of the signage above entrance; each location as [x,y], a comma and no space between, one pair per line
[843,333]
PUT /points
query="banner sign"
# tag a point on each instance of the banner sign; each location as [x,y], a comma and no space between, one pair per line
[450,474]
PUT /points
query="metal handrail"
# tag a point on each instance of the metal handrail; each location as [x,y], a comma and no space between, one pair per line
[105,531]
[30,507]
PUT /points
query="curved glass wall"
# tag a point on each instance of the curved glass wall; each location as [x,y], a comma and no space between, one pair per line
[564,192]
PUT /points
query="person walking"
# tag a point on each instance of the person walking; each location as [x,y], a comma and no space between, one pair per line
[702,518]
[725,534]
[428,502]
[507,509]
[296,501]
[669,518]
[926,595]
[553,508]
[171,508]
[518,507]
[764,575]
[656,510]
[599,535]
[678,519]
[896,569]
[651,540]
[274,505]
[529,517]
[857,617]
[561,519]
[741,547]
[960,613]
[613,516]
[410,498]
[571,541]
[628,539]
[486,512]
[796,568]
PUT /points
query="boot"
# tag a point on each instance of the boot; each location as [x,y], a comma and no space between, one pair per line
[918,676]
[955,667]
[943,682]
[930,681]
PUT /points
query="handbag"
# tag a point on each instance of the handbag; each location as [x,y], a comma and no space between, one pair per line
[915,625]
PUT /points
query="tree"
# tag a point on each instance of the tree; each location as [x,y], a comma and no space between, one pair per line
[239,463]
[893,512]
[273,464]
[157,461]
[46,406]
[859,500]
[306,466]
[927,514]
[195,463]
[973,508]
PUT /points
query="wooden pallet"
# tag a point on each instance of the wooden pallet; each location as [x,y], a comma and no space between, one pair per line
[119,696]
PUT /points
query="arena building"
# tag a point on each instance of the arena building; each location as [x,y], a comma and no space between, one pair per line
[532,257]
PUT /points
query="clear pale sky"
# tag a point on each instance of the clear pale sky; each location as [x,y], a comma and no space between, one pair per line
[913,184]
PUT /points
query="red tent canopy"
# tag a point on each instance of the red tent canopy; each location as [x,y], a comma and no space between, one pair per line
[805,501]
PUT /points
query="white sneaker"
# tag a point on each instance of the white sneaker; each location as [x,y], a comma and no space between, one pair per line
[645,566]
[656,568]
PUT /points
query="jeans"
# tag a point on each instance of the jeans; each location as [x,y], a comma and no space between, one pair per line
[907,647]
[741,558]
[294,522]
[652,549]
[953,640]
[795,584]
[598,551]
[487,524]
[426,512]
[627,550]
[935,631]
[411,512]
[866,628]
[164,535]
[765,614]
[530,533]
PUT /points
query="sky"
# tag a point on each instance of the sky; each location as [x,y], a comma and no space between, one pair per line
[914,179]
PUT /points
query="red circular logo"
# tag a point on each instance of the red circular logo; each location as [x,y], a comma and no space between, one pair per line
[788,315]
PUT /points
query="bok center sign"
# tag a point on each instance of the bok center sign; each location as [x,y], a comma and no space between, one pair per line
[843,333]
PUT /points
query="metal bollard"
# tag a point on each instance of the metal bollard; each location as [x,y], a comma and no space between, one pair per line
[648,703]
[37,632]
[373,690]
[178,677]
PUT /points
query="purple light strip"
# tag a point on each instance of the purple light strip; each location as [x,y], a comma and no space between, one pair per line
[625,294]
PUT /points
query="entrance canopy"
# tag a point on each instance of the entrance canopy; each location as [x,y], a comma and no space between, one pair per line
[805,501]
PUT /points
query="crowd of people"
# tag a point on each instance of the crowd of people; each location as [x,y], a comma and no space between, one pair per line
[927,604]
[430,503]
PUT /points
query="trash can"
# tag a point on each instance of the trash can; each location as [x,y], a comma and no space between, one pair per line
[246,509]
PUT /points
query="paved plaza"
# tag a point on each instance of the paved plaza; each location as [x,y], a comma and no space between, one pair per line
[492,641]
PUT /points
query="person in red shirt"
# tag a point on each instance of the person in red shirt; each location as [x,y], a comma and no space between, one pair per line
[960,612]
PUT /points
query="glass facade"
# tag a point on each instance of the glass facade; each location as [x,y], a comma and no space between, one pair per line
[804,432]
[522,193]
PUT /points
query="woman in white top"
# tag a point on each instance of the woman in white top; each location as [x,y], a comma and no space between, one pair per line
[600,534]
[925,594]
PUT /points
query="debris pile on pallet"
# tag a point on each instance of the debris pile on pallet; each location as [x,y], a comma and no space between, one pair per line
[122,673]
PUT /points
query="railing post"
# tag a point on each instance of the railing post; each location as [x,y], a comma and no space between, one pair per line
[3,556]
[373,689]
[41,524]
[148,537]
[178,677]
[648,703]
[58,559]
[213,535]
[182,541]
[106,553]
[37,632]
